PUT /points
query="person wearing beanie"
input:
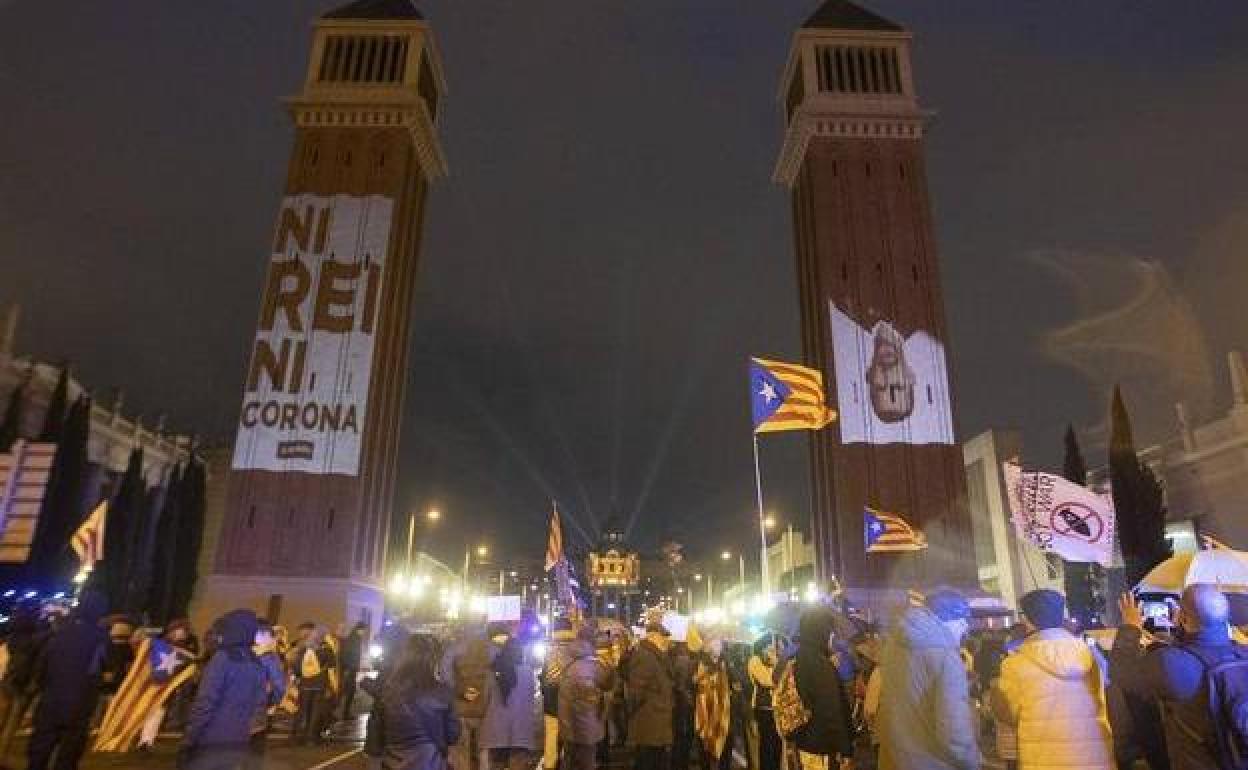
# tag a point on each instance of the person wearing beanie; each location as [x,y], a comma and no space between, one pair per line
[925,719]
[1052,689]
[559,656]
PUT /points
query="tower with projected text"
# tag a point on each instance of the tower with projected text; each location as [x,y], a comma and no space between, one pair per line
[308,504]
[872,316]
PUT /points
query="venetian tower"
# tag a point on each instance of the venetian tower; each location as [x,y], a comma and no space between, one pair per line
[872,316]
[308,505]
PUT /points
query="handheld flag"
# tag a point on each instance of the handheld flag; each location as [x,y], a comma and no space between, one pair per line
[88,539]
[1060,516]
[159,668]
[787,397]
[889,533]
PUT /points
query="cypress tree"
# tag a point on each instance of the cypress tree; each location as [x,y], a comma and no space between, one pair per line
[11,423]
[164,551]
[51,560]
[124,516]
[1138,499]
[189,539]
[54,419]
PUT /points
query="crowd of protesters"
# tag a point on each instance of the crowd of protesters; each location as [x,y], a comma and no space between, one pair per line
[922,692]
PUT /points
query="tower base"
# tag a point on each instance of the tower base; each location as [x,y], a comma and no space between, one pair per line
[289,601]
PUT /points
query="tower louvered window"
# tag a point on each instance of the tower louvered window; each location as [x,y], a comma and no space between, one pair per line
[363,59]
[858,70]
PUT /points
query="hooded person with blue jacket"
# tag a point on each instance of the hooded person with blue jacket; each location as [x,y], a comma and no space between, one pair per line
[925,705]
[231,693]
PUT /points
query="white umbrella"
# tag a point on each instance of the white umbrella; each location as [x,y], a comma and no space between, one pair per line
[1223,567]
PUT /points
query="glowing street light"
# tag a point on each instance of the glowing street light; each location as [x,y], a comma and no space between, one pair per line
[769,522]
[482,551]
[726,555]
[434,515]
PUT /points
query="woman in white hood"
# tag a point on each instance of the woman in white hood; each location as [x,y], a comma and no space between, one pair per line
[1053,689]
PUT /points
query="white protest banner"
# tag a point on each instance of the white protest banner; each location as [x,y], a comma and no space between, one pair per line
[1060,516]
[503,609]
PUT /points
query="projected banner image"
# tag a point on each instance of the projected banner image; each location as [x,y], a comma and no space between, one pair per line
[306,394]
[891,387]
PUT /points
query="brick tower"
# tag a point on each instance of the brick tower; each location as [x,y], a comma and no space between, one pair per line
[304,530]
[873,319]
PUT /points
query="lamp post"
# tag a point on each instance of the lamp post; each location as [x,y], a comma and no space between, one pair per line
[432,516]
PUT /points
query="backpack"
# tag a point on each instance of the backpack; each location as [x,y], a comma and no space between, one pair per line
[470,671]
[790,712]
[1226,680]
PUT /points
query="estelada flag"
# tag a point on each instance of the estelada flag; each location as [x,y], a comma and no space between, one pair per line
[787,397]
[88,539]
[554,544]
[159,668]
[889,533]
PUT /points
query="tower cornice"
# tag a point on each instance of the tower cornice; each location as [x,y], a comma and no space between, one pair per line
[849,84]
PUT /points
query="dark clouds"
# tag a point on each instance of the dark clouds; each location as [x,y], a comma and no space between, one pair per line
[609,248]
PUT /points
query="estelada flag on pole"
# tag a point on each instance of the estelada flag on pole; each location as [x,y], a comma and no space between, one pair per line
[88,539]
[889,533]
[787,397]
[554,544]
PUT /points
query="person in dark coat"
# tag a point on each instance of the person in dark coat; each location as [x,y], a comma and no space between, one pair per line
[311,661]
[232,692]
[1174,675]
[827,733]
[69,674]
[353,648]
[583,692]
[413,722]
[650,694]
[683,696]
[509,732]
[25,639]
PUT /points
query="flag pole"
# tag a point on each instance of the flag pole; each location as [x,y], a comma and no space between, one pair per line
[762,523]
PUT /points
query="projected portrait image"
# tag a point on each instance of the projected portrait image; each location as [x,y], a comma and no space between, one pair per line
[891,387]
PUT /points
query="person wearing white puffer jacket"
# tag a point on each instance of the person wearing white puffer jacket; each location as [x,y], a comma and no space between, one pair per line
[1053,689]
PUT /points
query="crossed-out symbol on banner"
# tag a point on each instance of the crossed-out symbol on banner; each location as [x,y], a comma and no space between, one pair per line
[1077,520]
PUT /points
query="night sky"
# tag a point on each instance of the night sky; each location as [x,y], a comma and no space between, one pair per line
[609,247]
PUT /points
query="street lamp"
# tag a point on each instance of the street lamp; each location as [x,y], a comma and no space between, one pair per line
[482,551]
[769,522]
[726,555]
[432,516]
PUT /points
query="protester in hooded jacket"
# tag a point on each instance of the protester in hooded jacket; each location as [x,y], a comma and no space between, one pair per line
[759,669]
[413,724]
[713,707]
[826,737]
[69,673]
[683,698]
[1174,675]
[231,693]
[650,698]
[509,731]
[353,648]
[275,683]
[312,661]
[1052,688]
[925,717]
[465,667]
[583,691]
[558,658]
